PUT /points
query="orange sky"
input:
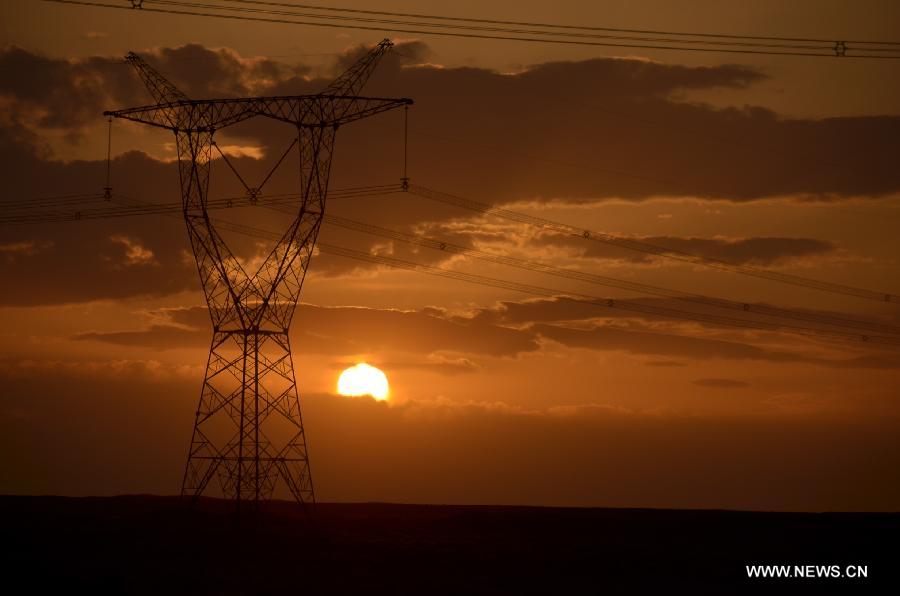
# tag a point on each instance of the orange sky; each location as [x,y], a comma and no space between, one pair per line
[782,163]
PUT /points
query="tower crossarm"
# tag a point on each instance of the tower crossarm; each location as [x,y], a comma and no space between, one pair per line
[338,110]
[301,110]
[159,86]
[354,78]
[315,111]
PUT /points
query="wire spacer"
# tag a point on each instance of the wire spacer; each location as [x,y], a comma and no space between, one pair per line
[840,48]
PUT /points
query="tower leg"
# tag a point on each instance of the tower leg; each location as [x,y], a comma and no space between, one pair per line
[249,404]
[248,432]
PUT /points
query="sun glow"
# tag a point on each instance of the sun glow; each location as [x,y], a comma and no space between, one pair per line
[362,379]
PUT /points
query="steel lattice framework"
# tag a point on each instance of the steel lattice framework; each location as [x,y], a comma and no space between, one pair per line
[249,395]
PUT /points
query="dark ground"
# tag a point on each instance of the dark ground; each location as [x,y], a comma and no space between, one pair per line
[153,545]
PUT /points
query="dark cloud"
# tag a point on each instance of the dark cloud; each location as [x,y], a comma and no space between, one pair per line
[653,309]
[349,330]
[651,341]
[484,332]
[564,309]
[444,366]
[754,250]
[365,330]
[625,133]
[647,342]
[721,383]
[92,261]
[160,337]
[615,128]
[200,72]
[71,94]
[743,251]
[58,93]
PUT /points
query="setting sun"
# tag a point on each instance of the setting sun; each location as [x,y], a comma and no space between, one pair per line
[363,379]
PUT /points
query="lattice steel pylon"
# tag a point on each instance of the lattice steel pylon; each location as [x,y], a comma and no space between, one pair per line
[248,430]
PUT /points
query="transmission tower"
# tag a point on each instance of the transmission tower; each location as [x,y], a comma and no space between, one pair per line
[248,431]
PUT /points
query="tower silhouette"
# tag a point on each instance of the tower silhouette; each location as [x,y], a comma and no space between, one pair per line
[248,430]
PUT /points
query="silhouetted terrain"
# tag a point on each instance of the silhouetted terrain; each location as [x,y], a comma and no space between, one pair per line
[153,545]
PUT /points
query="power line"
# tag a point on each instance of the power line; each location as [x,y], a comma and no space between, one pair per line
[73,212]
[531,265]
[137,207]
[456,26]
[547,25]
[72,209]
[838,49]
[615,304]
[604,302]
[74,199]
[648,248]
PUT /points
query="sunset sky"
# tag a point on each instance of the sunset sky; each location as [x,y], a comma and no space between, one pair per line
[788,164]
